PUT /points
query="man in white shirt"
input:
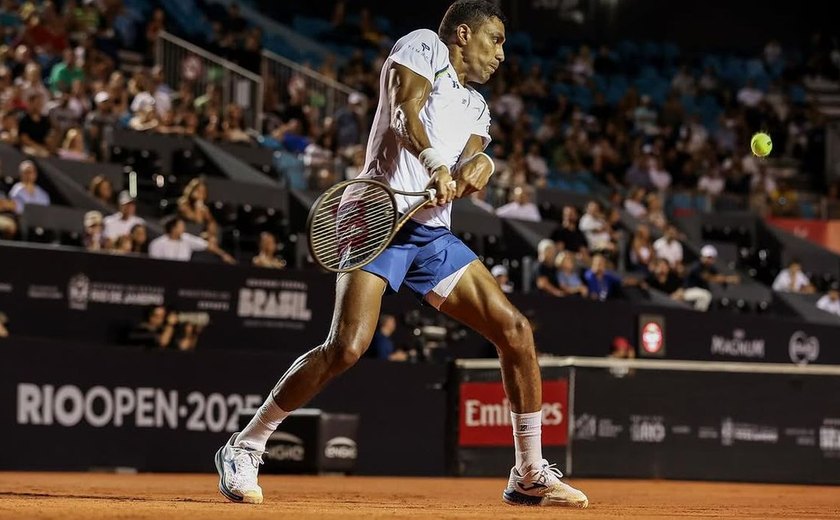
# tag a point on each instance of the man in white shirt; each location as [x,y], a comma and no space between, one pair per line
[595,228]
[830,301]
[431,127]
[520,207]
[120,223]
[668,247]
[176,244]
[793,280]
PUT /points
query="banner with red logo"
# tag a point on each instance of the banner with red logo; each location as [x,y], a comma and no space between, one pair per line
[484,414]
[822,232]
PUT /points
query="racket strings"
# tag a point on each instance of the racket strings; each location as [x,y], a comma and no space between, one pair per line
[351,225]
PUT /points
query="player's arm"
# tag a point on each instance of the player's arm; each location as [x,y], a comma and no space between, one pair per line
[474,168]
[408,93]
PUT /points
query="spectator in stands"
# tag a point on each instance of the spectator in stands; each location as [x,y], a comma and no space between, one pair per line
[635,203]
[139,239]
[382,346]
[94,238]
[711,182]
[750,96]
[520,207]
[145,116]
[601,284]
[641,249]
[8,223]
[233,126]
[703,272]
[267,255]
[192,207]
[830,301]
[121,246]
[64,73]
[599,235]
[26,191]
[34,127]
[669,248]
[9,132]
[546,269]
[568,237]
[568,279]
[97,123]
[32,83]
[177,244]
[500,273]
[664,279]
[659,177]
[479,199]
[102,189]
[73,147]
[349,121]
[656,212]
[792,279]
[157,329]
[121,223]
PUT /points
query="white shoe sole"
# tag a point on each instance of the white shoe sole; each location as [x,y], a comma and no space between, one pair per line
[250,498]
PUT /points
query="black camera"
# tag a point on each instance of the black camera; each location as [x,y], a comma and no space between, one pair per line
[432,335]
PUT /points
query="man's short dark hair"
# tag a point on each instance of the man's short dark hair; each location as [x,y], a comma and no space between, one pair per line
[470,12]
[170,223]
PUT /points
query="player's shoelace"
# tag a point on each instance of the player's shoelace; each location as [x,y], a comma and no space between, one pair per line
[247,463]
[547,474]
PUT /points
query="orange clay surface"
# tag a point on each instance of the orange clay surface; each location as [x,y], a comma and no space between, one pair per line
[158,496]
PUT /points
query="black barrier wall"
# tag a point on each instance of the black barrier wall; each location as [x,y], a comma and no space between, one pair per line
[64,407]
[71,294]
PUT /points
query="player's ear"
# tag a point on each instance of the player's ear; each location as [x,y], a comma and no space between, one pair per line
[463,34]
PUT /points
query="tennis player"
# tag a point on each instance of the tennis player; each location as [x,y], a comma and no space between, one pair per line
[431,128]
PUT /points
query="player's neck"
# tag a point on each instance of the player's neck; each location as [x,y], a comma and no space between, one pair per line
[457,61]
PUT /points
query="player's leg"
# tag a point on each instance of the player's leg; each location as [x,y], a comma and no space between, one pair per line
[357,302]
[478,302]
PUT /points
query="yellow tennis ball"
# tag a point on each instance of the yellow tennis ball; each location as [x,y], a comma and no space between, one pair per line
[761,144]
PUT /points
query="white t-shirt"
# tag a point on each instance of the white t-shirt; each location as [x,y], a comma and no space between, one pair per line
[527,211]
[828,305]
[711,185]
[672,252]
[170,249]
[451,115]
[115,226]
[594,229]
[783,281]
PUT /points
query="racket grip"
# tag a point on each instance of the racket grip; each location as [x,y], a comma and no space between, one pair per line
[433,192]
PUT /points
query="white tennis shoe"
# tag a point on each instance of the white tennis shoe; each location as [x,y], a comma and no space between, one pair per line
[238,467]
[540,485]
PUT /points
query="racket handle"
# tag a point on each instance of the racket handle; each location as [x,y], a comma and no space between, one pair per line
[433,192]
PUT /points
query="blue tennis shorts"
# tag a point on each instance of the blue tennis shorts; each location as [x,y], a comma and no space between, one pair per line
[420,257]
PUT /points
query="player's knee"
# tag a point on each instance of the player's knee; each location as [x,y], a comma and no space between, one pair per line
[517,333]
[343,354]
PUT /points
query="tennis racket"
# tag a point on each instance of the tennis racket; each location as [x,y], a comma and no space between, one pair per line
[354,221]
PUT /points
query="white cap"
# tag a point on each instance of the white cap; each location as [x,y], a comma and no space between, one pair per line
[708,251]
[125,197]
[499,270]
[101,97]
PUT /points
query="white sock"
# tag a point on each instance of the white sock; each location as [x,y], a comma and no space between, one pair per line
[262,425]
[527,433]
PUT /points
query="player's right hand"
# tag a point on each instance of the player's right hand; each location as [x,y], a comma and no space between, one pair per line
[444,186]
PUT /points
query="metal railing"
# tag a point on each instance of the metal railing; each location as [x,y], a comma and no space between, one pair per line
[325,94]
[182,61]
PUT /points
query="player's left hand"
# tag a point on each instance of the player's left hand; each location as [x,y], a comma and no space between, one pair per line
[472,176]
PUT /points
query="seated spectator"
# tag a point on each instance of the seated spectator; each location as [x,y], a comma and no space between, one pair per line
[635,205]
[4,332]
[546,270]
[641,250]
[94,239]
[602,284]
[793,280]
[9,132]
[8,223]
[593,224]
[192,207]
[669,248]
[98,122]
[568,279]
[665,280]
[25,191]
[177,244]
[267,255]
[102,189]
[122,245]
[478,198]
[145,116]
[520,207]
[500,273]
[382,346]
[711,182]
[34,128]
[568,237]
[703,272]
[656,213]
[139,239]
[830,301]
[157,330]
[233,126]
[659,177]
[73,147]
[168,124]
[65,72]
[121,223]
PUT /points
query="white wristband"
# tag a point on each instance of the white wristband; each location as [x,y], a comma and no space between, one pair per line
[431,159]
[492,162]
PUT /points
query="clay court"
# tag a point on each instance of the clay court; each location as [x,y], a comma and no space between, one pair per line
[95,495]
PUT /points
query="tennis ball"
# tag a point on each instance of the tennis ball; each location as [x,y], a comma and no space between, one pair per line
[761,144]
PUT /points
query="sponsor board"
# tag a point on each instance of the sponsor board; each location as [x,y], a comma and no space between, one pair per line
[732,432]
[803,349]
[341,448]
[647,428]
[82,291]
[284,446]
[739,346]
